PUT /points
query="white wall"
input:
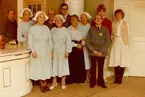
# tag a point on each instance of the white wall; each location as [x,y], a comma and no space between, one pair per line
[134,15]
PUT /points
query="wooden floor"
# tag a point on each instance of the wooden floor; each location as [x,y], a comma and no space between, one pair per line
[131,87]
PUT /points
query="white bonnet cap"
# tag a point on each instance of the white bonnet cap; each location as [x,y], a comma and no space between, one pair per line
[21,14]
[60,16]
[87,14]
[38,13]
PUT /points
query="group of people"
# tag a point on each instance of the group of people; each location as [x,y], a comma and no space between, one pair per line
[70,47]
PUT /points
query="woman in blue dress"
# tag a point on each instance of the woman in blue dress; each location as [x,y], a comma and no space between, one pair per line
[24,26]
[61,49]
[85,26]
[40,43]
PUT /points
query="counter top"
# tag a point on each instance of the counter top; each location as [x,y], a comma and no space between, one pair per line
[13,50]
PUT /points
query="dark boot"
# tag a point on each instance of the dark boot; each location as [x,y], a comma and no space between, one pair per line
[122,69]
[101,83]
[116,70]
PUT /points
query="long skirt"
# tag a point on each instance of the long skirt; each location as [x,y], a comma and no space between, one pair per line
[76,66]
[60,64]
[41,67]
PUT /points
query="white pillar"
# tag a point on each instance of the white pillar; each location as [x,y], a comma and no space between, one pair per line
[75,6]
[19,9]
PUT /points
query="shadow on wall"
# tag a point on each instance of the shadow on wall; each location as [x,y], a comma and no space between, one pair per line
[91,7]
[5,5]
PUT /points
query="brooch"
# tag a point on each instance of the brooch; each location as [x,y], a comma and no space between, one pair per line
[100,34]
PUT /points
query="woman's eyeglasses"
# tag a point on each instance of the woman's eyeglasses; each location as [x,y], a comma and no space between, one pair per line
[98,18]
[64,9]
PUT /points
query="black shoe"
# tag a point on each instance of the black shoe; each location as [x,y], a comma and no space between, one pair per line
[103,85]
[117,82]
[92,86]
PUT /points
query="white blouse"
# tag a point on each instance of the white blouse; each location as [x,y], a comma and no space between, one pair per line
[76,34]
[84,29]
[23,30]
[119,28]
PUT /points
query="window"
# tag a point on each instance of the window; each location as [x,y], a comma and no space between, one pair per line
[35,7]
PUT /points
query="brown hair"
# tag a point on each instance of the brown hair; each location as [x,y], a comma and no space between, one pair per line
[11,10]
[63,4]
[101,7]
[75,16]
[119,11]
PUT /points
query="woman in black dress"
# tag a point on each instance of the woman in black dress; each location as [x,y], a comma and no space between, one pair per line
[76,58]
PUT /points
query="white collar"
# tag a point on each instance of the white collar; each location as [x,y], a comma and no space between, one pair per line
[65,16]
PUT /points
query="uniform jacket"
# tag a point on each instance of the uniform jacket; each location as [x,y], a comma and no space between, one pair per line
[98,39]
